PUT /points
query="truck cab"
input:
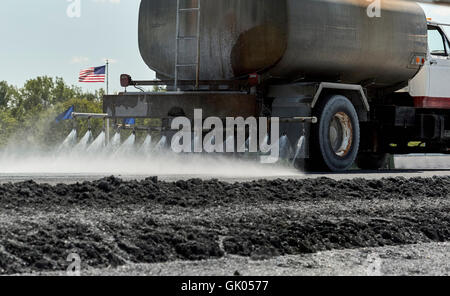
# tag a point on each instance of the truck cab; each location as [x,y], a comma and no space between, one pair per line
[415,119]
[431,87]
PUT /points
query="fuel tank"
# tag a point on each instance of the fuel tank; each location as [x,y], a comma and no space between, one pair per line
[290,40]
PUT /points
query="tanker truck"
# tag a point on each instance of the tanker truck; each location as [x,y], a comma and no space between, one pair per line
[353,87]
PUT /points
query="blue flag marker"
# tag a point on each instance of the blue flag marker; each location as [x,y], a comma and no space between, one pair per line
[65,115]
[129,121]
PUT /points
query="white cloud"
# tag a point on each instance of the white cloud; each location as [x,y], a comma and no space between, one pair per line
[79,60]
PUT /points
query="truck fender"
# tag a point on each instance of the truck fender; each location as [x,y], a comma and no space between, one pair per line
[342,87]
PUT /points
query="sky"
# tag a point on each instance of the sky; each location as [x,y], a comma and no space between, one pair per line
[39,38]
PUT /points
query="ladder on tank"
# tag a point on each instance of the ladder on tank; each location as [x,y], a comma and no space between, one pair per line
[196,37]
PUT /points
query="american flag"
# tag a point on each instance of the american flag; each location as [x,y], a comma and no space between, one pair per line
[94,74]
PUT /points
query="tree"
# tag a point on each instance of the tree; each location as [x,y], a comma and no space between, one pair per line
[38,93]
[62,93]
[8,125]
[28,114]
[3,94]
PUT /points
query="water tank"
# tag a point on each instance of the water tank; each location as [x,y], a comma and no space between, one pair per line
[291,40]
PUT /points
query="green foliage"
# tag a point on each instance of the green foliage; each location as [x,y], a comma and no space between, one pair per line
[4,95]
[57,131]
[157,88]
[8,125]
[27,114]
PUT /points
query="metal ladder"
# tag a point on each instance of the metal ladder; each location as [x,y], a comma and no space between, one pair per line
[196,64]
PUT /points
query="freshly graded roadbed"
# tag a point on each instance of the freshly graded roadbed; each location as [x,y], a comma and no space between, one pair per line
[421,259]
[112,223]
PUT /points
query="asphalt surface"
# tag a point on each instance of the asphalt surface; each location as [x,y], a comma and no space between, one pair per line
[111,223]
[69,170]
[57,178]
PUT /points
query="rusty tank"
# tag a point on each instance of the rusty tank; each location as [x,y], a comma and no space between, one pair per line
[288,40]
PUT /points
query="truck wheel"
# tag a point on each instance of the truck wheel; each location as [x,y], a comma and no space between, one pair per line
[372,161]
[335,138]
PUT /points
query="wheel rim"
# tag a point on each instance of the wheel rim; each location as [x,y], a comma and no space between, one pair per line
[341,134]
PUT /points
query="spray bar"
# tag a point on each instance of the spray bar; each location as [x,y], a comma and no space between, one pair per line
[142,128]
[299,119]
[89,115]
[161,129]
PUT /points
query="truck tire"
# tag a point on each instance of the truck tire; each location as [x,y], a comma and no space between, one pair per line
[335,138]
[372,161]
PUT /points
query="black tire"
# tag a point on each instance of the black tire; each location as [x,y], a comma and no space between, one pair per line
[335,138]
[372,161]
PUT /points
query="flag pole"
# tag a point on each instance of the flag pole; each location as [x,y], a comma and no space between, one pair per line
[107,136]
[107,77]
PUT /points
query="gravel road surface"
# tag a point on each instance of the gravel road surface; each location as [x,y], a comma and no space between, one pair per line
[111,223]
[407,260]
